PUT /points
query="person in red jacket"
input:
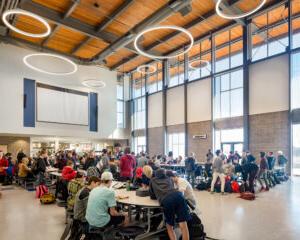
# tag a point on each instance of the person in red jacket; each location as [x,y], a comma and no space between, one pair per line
[127,165]
[3,166]
[68,173]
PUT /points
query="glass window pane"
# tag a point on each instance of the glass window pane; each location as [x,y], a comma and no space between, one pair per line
[296,33]
[232,135]
[222,59]
[278,46]
[225,82]
[225,104]
[236,60]
[259,52]
[295,83]
[237,79]
[236,102]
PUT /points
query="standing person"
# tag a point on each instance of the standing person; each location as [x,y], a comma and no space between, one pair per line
[3,166]
[101,207]
[127,165]
[142,160]
[250,157]
[218,171]
[249,172]
[104,159]
[90,161]
[41,166]
[173,203]
[190,168]
[182,185]
[263,168]
[209,156]
[244,158]
[170,159]
[271,164]
[230,158]
[20,156]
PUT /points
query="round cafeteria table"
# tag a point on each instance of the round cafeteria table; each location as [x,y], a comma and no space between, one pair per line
[143,202]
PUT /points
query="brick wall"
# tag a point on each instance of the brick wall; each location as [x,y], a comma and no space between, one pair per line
[199,146]
[269,132]
[14,144]
[156,141]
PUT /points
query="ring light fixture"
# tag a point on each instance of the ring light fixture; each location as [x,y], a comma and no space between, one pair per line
[150,29]
[142,69]
[29,14]
[27,57]
[93,83]
[237,16]
[200,61]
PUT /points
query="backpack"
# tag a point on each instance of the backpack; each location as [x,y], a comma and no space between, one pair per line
[235,187]
[73,188]
[248,196]
[196,228]
[47,198]
[40,191]
[202,186]
[228,188]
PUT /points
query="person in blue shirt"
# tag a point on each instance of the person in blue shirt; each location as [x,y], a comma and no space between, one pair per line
[101,208]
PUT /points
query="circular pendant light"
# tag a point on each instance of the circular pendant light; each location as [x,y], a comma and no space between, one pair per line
[237,16]
[150,29]
[28,14]
[73,65]
[199,61]
[93,83]
[142,69]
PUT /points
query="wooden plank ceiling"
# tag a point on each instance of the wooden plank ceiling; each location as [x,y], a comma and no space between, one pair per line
[95,12]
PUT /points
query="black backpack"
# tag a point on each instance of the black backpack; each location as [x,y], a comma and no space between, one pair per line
[196,228]
[202,186]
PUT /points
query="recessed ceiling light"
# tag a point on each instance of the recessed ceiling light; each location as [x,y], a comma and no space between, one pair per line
[237,16]
[150,29]
[93,83]
[29,14]
[144,69]
[27,57]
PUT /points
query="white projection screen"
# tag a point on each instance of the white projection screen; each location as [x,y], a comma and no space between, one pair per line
[60,105]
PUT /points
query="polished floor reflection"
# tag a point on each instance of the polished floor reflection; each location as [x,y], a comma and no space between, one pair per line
[274,215]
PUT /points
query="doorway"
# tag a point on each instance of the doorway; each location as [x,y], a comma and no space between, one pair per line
[232,146]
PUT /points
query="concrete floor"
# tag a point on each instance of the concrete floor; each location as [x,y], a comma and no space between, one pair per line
[274,215]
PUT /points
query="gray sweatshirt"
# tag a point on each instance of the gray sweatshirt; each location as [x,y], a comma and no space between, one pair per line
[218,165]
[160,187]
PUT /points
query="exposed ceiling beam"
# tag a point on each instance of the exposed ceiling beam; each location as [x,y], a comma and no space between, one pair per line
[122,8]
[69,11]
[70,22]
[172,35]
[155,18]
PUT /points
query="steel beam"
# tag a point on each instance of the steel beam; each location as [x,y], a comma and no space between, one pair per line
[125,5]
[172,35]
[155,18]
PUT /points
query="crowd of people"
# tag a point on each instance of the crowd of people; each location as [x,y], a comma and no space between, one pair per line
[94,202]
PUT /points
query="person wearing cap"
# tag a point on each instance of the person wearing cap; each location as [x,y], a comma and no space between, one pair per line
[173,203]
[101,208]
[182,185]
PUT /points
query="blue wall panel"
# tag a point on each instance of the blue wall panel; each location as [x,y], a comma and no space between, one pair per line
[93,110]
[29,103]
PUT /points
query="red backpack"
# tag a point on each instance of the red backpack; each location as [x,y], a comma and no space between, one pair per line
[235,187]
[41,190]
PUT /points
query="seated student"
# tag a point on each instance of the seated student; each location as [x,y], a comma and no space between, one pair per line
[68,173]
[80,224]
[173,203]
[101,208]
[24,170]
[183,186]
[113,168]
[146,176]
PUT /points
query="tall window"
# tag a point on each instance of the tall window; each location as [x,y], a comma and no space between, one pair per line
[139,113]
[120,102]
[154,83]
[139,144]
[176,144]
[270,33]
[200,60]
[229,140]
[176,71]
[295,83]
[228,96]
[228,49]
[296,23]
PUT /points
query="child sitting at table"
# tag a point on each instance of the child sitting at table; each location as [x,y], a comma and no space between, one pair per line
[101,208]
[173,203]
[24,170]
[68,172]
